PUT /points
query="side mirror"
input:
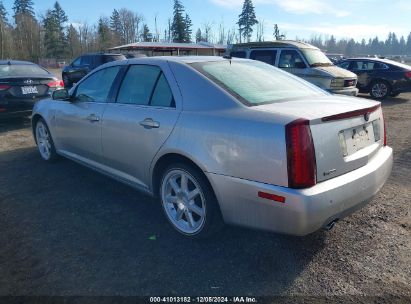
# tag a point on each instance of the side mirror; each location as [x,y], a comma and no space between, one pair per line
[300,65]
[62,94]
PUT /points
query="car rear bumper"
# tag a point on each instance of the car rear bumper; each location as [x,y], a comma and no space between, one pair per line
[346,91]
[14,114]
[305,210]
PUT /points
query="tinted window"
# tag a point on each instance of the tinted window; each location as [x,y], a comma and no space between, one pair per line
[254,82]
[289,59]
[162,96]
[97,86]
[264,56]
[86,60]
[239,54]
[363,65]
[138,84]
[344,65]
[76,62]
[18,70]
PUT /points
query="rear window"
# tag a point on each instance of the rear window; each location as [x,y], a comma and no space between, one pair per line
[255,83]
[111,58]
[21,70]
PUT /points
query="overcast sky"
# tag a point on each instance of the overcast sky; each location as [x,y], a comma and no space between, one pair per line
[297,18]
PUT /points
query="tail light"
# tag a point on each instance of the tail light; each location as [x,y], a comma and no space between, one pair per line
[56,84]
[4,87]
[408,74]
[300,155]
[2,110]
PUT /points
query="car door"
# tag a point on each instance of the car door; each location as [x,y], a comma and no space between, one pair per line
[139,122]
[365,72]
[78,121]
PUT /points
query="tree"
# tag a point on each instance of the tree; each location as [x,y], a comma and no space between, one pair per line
[23,7]
[146,35]
[199,36]
[408,44]
[3,13]
[247,20]
[178,26]
[187,29]
[55,39]
[277,34]
[5,34]
[73,41]
[104,33]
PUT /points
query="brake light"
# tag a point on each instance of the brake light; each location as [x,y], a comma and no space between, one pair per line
[351,114]
[56,84]
[4,87]
[2,110]
[301,162]
[408,74]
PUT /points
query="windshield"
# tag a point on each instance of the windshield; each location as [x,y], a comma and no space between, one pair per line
[255,83]
[22,70]
[315,57]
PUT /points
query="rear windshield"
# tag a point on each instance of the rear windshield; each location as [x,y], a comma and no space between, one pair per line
[21,70]
[255,83]
[110,58]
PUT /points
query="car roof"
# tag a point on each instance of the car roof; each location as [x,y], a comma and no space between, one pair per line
[102,54]
[382,60]
[183,59]
[276,44]
[16,62]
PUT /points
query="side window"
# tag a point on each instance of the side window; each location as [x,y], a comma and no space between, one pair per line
[138,84]
[162,96]
[363,65]
[380,66]
[344,65]
[290,59]
[96,87]
[76,62]
[86,60]
[238,54]
[264,56]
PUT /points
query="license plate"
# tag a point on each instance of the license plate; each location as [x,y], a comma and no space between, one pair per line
[29,90]
[357,138]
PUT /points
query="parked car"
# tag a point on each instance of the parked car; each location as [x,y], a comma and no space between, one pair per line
[301,59]
[23,83]
[258,147]
[379,77]
[84,64]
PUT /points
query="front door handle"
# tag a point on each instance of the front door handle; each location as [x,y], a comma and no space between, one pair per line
[149,123]
[93,118]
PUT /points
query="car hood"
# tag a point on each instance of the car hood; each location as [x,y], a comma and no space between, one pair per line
[332,72]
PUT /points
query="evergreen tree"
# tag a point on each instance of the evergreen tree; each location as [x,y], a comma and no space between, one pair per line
[104,35]
[55,39]
[116,27]
[187,29]
[199,36]
[178,26]
[23,7]
[146,35]
[73,41]
[3,13]
[408,45]
[277,34]
[247,20]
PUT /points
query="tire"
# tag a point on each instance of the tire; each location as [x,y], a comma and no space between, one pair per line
[380,89]
[44,141]
[67,82]
[191,206]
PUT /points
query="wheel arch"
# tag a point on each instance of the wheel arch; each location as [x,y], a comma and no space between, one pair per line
[34,119]
[167,159]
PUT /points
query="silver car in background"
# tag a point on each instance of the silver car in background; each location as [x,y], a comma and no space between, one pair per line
[220,140]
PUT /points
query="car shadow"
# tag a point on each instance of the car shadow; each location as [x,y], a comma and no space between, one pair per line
[67,230]
[390,101]
[13,124]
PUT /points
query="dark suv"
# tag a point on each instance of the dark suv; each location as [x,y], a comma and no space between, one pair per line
[84,64]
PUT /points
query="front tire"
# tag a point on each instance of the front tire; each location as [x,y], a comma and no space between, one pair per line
[380,89]
[44,141]
[189,202]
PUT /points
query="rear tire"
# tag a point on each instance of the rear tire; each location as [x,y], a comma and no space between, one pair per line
[44,141]
[189,202]
[380,89]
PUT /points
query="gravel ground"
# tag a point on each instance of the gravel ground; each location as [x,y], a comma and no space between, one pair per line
[66,230]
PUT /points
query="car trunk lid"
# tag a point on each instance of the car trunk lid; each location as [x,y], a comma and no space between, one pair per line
[346,132]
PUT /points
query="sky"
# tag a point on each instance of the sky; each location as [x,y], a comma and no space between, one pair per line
[296,18]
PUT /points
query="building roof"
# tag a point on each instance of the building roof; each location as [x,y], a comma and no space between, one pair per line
[162,46]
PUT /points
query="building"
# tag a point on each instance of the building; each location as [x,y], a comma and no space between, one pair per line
[170,49]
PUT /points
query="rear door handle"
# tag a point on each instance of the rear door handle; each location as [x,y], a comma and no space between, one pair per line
[149,123]
[93,118]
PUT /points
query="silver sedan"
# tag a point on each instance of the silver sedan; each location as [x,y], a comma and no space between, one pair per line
[221,140]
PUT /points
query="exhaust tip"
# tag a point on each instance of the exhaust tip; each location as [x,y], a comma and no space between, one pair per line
[331,224]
